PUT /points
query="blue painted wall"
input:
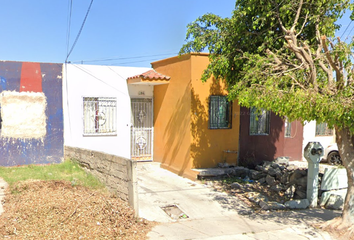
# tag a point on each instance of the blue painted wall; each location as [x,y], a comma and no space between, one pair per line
[35,151]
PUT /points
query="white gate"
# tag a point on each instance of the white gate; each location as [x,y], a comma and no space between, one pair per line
[142,129]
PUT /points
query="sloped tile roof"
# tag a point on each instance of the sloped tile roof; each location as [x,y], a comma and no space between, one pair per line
[151,75]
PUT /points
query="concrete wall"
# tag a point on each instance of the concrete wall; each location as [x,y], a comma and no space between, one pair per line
[32,113]
[255,149]
[117,173]
[182,139]
[98,81]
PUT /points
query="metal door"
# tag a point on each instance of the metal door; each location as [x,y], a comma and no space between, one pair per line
[142,129]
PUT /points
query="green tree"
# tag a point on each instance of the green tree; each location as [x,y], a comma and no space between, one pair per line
[281,55]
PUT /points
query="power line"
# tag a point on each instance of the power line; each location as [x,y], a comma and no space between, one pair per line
[79,33]
[122,58]
[70,8]
[350,32]
[346,29]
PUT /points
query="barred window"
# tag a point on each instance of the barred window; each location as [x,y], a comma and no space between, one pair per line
[287,128]
[100,115]
[323,130]
[219,112]
[259,121]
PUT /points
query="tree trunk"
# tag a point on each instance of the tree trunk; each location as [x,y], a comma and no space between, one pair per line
[345,142]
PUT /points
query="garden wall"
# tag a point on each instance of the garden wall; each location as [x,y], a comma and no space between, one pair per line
[117,173]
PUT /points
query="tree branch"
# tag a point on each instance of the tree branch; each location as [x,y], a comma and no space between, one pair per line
[297,16]
[332,63]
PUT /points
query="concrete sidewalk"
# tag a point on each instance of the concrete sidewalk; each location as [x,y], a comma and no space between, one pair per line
[206,214]
[3,186]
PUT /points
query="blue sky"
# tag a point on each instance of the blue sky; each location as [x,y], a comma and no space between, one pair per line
[128,33]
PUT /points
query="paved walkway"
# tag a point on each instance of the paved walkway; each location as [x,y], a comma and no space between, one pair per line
[214,215]
[3,186]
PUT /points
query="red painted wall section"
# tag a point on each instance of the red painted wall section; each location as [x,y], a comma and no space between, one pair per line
[31,77]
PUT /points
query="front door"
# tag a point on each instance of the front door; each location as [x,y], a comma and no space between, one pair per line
[142,129]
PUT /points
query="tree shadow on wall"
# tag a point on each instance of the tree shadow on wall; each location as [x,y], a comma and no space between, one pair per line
[199,123]
[177,133]
[202,137]
[255,149]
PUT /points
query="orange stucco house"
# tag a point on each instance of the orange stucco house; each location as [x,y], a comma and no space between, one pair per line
[194,124]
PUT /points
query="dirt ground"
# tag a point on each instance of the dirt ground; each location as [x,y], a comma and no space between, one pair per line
[60,210]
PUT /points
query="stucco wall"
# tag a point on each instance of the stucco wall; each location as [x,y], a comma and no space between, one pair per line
[32,113]
[255,149]
[117,173]
[172,106]
[98,81]
[183,140]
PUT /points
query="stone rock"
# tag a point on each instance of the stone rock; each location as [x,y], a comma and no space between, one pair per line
[236,185]
[274,165]
[260,168]
[256,197]
[295,176]
[270,180]
[297,204]
[300,193]
[241,172]
[271,172]
[302,182]
[290,191]
[262,180]
[335,202]
[278,174]
[284,178]
[291,168]
[282,160]
[255,175]
[271,205]
[277,188]
[266,165]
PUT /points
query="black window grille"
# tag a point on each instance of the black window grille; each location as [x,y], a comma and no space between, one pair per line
[219,112]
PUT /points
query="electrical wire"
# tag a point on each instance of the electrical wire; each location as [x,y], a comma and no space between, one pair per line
[70,8]
[79,33]
[346,29]
[122,58]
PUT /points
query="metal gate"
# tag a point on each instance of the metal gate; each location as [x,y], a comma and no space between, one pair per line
[142,129]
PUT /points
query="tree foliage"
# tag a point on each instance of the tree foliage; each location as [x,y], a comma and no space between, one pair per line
[281,55]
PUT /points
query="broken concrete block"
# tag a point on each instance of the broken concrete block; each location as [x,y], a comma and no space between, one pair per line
[326,195]
[335,202]
[334,178]
[297,204]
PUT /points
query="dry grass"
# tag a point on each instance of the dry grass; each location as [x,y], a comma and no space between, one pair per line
[57,209]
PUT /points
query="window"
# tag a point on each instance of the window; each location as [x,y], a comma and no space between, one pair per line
[287,128]
[323,130]
[219,112]
[259,122]
[100,116]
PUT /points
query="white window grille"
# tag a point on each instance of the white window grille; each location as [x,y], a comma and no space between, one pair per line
[322,129]
[287,125]
[100,115]
[259,121]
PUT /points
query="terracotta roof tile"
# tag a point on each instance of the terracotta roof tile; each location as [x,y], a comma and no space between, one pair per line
[151,75]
